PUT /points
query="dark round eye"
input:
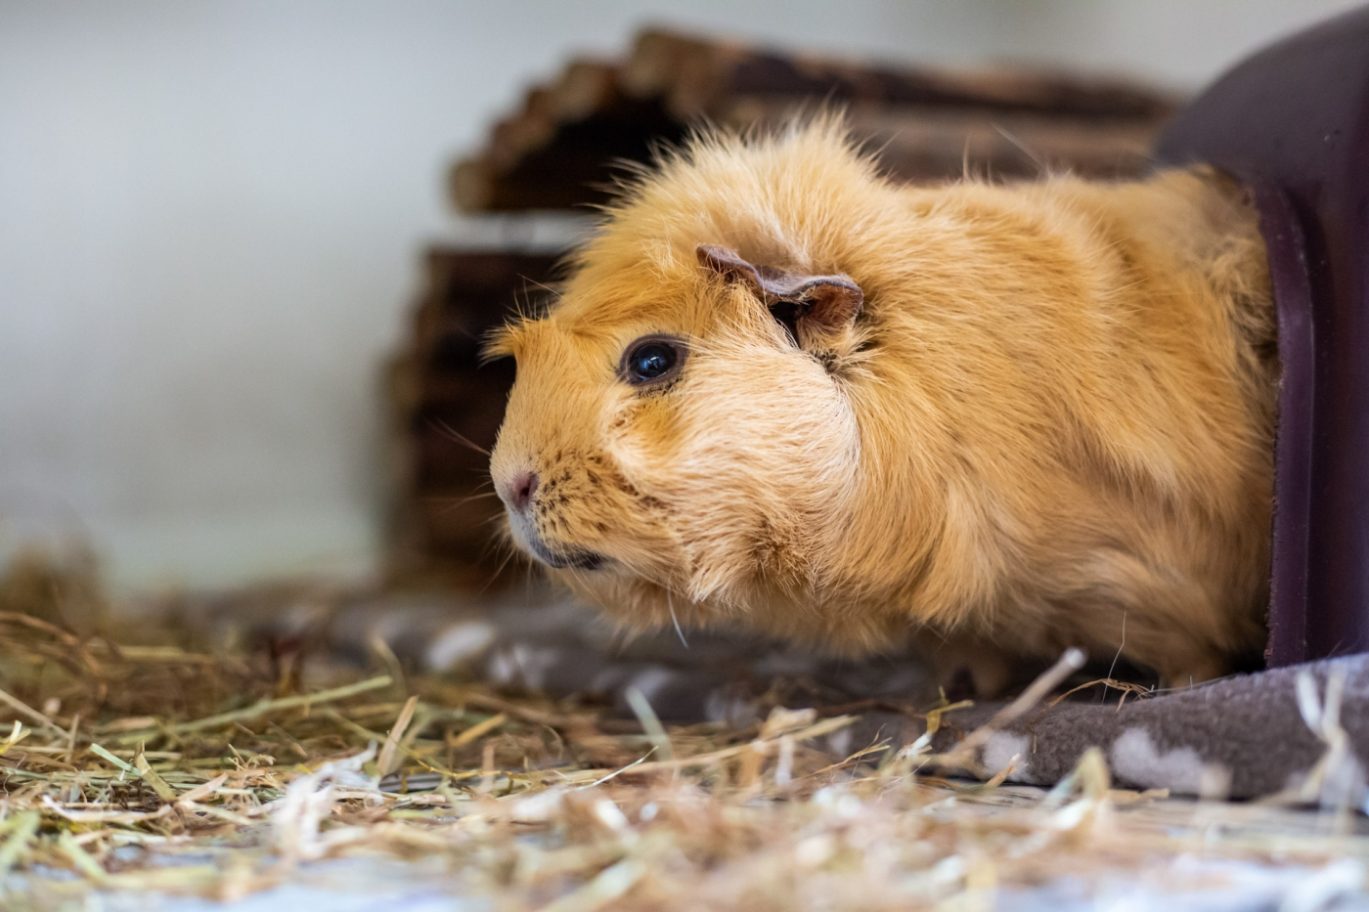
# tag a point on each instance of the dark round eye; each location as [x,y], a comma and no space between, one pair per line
[652,359]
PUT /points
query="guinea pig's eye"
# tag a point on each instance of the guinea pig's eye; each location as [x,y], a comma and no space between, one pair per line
[652,359]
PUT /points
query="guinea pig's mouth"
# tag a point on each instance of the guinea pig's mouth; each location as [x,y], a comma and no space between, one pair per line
[556,558]
[566,560]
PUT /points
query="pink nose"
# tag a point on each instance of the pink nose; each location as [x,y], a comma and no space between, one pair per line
[521,490]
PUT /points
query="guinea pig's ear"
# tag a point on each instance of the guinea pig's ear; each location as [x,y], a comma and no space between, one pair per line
[811,307]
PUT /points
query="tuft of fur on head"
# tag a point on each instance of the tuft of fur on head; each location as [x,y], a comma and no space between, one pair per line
[1019,414]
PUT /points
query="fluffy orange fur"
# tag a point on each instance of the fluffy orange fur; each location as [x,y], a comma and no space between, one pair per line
[1050,425]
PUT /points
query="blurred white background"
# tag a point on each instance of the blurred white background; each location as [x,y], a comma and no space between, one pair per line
[210,214]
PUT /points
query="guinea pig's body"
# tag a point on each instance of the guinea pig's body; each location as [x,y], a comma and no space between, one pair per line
[778,391]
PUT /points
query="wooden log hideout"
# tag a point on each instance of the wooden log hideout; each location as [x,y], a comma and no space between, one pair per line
[559,153]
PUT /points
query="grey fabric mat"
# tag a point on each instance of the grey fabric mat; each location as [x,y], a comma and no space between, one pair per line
[1301,732]
[1248,736]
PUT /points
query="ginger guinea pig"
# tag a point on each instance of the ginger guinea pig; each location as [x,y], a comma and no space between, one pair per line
[779,391]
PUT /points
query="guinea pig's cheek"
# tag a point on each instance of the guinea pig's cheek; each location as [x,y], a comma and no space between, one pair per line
[622,446]
[642,445]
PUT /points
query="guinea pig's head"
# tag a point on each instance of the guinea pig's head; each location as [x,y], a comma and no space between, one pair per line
[680,437]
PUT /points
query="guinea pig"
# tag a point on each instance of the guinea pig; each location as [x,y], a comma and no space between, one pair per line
[777,390]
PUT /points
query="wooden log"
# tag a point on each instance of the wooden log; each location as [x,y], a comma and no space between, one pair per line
[446,408]
[573,171]
[585,88]
[467,294]
[932,144]
[531,127]
[654,58]
[420,396]
[478,288]
[913,143]
[476,186]
[696,75]
[443,541]
[485,272]
[440,509]
[554,153]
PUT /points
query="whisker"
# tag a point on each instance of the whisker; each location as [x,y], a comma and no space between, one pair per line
[541,285]
[456,435]
[446,506]
[498,571]
[1040,163]
[674,619]
[1117,655]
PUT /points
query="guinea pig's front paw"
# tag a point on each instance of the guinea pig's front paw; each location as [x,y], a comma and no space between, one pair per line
[969,668]
[1194,670]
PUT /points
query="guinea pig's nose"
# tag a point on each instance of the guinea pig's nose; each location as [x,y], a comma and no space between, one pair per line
[521,490]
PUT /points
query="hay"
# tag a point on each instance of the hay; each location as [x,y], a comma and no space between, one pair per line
[158,765]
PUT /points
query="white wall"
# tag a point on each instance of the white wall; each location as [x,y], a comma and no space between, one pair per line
[210,211]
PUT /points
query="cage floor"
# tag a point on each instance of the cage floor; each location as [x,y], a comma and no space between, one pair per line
[283,750]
